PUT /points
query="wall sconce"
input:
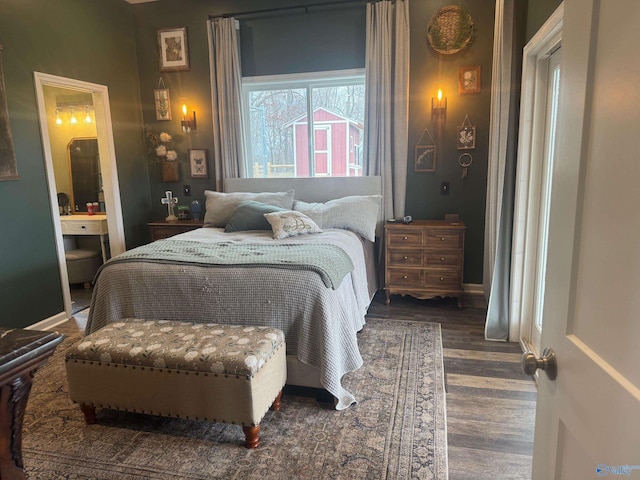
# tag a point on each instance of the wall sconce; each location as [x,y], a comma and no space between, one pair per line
[87,116]
[58,117]
[188,123]
[439,106]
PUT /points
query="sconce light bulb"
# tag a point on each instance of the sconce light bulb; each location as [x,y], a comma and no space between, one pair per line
[184,111]
[58,119]
[87,117]
[439,95]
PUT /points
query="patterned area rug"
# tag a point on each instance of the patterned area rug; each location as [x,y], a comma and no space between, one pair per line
[396,431]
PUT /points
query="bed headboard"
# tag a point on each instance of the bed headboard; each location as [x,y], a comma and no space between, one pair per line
[316,189]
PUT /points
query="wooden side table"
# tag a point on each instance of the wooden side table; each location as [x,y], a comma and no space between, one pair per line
[21,353]
[424,259]
[164,229]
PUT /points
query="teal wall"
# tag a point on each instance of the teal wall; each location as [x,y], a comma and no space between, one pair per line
[538,11]
[89,41]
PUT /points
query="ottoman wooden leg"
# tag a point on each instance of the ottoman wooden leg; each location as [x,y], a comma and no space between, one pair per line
[251,436]
[277,402]
[89,413]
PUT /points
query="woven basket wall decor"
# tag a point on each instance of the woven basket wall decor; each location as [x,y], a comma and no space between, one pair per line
[450,29]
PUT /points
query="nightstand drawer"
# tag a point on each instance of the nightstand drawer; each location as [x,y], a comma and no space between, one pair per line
[403,278]
[443,239]
[441,278]
[443,259]
[405,257]
[405,238]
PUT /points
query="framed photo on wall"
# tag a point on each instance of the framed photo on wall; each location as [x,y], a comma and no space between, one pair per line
[425,158]
[198,163]
[469,80]
[173,49]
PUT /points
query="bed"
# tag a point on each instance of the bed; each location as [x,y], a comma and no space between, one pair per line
[320,306]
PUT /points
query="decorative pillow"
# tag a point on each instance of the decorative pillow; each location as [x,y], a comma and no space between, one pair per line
[220,206]
[357,213]
[289,224]
[249,215]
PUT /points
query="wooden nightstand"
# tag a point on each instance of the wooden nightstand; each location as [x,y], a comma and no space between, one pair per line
[163,229]
[424,259]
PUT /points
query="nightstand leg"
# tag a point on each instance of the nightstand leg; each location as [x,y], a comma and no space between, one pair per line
[386,292]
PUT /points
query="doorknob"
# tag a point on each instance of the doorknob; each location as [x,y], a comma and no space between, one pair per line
[547,363]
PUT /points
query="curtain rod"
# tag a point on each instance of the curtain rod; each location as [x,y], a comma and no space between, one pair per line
[282,9]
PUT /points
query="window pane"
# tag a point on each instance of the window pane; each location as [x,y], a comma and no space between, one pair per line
[339,111]
[277,126]
[273,120]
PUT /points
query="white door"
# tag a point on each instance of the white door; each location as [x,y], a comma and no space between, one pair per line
[588,419]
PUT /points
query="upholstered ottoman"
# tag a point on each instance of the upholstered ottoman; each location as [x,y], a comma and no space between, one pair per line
[220,373]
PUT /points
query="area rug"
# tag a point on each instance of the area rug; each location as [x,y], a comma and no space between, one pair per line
[397,430]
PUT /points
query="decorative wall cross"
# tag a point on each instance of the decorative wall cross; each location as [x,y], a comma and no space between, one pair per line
[170,201]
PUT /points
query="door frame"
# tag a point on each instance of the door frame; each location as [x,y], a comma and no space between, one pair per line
[525,223]
[108,167]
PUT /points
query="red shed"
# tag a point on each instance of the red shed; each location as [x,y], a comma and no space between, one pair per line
[338,145]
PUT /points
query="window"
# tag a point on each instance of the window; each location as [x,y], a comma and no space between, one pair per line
[278,119]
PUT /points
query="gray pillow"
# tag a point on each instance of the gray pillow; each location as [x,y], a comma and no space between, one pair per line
[249,215]
[357,213]
[219,206]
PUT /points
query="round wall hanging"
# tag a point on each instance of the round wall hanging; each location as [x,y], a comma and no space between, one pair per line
[450,29]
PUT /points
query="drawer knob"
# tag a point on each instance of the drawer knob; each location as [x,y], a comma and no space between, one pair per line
[442,238]
[405,258]
[83,226]
[404,277]
[442,279]
[442,259]
[405,238]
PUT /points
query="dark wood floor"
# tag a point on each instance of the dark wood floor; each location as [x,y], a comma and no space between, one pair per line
[490,402]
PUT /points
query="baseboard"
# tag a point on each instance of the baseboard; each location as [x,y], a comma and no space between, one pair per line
[473,295]
[49,323]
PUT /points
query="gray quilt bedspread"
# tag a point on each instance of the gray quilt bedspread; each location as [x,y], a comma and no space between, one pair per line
[320,323]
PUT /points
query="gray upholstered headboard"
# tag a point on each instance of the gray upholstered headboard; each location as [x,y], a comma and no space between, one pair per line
[317,189]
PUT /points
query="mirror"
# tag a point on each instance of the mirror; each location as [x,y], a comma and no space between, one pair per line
[84,175]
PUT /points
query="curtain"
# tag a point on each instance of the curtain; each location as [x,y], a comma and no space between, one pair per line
[226,99]
[387,102]
[501,173]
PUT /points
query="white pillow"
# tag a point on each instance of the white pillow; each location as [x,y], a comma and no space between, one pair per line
[357,213]
[290,224]
[220,206]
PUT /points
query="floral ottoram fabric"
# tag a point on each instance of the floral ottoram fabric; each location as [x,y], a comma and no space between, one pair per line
[197,347]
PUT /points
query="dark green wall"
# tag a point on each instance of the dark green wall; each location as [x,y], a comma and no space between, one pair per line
[538,11]
[429,70]
[89,41]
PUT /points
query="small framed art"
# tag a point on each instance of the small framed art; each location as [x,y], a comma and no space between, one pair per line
[163,103]
[173,49]
[425,158]
[469,80]
[198,163]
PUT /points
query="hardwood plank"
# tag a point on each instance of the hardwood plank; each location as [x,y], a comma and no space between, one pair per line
[489,382]
[467,354]
[475,464]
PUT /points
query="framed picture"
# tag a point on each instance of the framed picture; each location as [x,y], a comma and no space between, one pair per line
[163,103]
[425,158]
[198,163]
[173,49]
[466,138]
[469,80]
